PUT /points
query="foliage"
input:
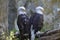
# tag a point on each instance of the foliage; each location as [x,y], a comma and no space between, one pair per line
[2,36]
[47,27]
[11,36]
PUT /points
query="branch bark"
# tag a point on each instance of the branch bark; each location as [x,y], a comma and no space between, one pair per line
[51,35]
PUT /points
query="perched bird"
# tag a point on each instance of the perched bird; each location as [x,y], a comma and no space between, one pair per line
[36,20]
[22,22]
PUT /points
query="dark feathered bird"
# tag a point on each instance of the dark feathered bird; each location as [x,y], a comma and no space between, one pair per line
[22,22]
[37,19]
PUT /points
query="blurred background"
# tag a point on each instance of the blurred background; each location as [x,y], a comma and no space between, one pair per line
[8,14]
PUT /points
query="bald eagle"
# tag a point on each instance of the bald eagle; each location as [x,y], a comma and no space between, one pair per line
[22,22]
[36,21]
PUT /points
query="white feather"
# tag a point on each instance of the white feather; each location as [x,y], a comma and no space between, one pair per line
[21,8]
[39,12]
[32,33]
[20,12]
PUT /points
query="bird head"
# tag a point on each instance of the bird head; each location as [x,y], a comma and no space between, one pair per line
[39,10]
[21,10]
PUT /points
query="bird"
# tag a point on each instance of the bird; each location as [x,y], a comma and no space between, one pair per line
[22,22]
[36,20]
